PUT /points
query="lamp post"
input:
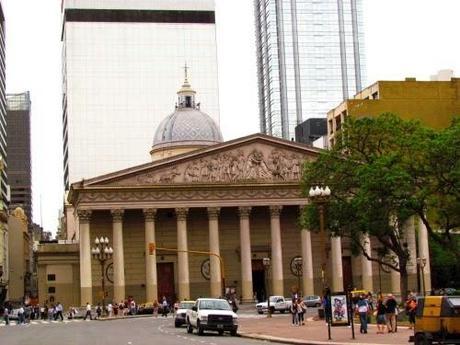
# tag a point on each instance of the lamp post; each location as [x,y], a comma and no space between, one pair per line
[298,266]
[267,262]
[421,262]
[102,252]
[320,196]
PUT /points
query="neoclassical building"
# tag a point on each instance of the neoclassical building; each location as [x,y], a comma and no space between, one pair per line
[239,199]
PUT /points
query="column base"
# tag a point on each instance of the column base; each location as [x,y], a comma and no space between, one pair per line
[278,287]
[119,293]
[151,292]
[86,295]
[184,291]
[216,289]
[246,293]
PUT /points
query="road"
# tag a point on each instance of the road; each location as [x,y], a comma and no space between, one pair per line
[139,331]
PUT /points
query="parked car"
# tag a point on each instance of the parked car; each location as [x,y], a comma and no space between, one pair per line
[312,301]
[212,314]
[181,313]
[145,308]
[277,304]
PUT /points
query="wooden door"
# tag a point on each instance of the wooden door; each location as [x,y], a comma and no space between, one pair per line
[165,274]
[347,272]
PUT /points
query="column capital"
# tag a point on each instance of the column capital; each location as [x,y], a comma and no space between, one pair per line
[275,211]
[213,212]
[84,216]
[117,214]
[244,211]
[181,213]
[150,214]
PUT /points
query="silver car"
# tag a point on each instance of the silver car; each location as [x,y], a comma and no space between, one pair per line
[312,301]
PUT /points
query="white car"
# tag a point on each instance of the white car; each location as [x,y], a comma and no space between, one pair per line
[277,303]
[212,314]
[181,313]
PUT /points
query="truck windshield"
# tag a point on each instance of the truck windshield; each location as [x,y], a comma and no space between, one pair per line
[274,299]
[215,305]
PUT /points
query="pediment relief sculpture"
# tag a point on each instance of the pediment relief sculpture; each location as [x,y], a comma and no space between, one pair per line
[232,166]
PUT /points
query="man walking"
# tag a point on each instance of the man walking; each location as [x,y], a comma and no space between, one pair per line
[390,308]
[59,309]
[6,316]
[88,311]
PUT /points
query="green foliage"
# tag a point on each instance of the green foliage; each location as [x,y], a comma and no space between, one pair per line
[384,170]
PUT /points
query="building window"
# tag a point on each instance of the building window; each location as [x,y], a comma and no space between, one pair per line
[51,289]
[51,277]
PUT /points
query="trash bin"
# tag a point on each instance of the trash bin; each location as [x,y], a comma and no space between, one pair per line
[321,313]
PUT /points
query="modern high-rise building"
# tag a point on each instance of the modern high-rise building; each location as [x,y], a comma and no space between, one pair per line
[121,63]
[19,152]
[310,57]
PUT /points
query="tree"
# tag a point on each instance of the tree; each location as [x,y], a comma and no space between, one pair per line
[382,171]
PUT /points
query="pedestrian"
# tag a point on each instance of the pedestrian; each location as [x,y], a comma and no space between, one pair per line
[59,309]
[362,307]
[98,311]
[88,311]
[21,316]
[42,312]
[301,310]
[164,307]
[156,306]
[390,313]
[110,309]
[294,312]
[380,314]
[411,307]
[176,307]
[6,315]
[50,312]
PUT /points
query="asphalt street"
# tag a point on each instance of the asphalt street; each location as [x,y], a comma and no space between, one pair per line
[139,331]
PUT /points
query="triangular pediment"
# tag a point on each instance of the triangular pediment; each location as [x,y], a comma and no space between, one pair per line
[253,159]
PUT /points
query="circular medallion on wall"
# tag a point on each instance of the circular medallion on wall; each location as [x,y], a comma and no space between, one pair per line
[109,272]
[296,267]
[206,269]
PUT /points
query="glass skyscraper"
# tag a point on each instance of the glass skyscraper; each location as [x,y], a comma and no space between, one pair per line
[310,57]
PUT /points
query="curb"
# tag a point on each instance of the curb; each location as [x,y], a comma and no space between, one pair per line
[125,317]
[295,341]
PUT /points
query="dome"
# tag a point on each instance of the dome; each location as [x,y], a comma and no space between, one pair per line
[186,129]
[187,126]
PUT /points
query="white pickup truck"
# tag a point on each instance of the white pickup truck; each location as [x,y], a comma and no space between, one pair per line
[277,303]
[212,314]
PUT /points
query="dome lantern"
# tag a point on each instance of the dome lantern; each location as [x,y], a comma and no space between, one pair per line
[186,129]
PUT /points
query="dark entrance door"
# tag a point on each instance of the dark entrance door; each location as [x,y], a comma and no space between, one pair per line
[258,279]
[165,273]
[347,272]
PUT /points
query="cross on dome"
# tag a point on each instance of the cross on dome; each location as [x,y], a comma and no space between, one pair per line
[186,94]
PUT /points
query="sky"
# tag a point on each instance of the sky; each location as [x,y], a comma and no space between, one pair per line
[403,38]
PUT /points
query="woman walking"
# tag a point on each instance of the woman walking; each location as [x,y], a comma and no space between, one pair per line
[294,312]
[380,313]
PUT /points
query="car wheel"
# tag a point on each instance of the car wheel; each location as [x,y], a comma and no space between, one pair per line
[176,324]
[233,332]
[200,329]
[421,339]
[220,332]
[282,311]
[260,312]
[189,328]
[317,305]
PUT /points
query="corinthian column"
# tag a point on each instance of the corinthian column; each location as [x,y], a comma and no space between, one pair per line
[366,265]
[118,256]
[151,285]
[86,283]
[277,255]
[307,263]
[337,268]
[182,255]
[216,283]
[246,264]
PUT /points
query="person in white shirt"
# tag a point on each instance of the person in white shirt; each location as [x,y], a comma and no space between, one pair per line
[110,309]
[88,311]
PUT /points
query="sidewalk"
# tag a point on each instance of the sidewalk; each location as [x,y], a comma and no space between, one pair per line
[279,329]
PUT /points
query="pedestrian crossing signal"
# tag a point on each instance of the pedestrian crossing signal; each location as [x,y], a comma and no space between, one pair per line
[151,248]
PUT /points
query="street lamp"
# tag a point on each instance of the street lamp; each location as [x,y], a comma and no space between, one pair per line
[102,252]
[421,262]
[266,262]
[320,196]
[298,266]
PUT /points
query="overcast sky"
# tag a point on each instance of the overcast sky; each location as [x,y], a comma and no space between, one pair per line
[403,38]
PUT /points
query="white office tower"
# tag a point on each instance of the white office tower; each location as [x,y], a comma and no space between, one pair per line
[122,62]
[310,57]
